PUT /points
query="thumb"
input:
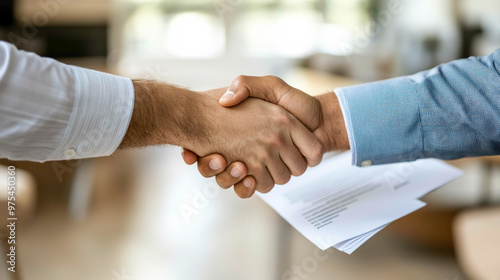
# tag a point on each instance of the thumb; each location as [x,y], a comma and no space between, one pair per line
[274,90]
[236,93]
[268,88]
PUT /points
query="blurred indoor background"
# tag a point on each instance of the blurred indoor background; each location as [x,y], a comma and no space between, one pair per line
[144,214]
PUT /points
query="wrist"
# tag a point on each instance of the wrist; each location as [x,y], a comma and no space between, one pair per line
[332,133]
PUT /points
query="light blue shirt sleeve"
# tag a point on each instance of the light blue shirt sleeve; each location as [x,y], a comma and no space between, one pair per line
[448,112]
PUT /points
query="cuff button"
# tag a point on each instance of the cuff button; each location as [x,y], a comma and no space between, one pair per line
[366,163]
[69,153]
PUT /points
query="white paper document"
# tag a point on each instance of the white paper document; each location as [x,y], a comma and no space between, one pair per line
[340,205]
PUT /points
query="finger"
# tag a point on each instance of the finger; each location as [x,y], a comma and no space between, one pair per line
[189,157]
[264,180]
[211,165]
[245,188]
[235,172]
[307,143]
[304,107]
[279,171]
[293,159]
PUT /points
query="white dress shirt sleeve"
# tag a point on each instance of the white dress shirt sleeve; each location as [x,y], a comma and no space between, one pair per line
[53,111]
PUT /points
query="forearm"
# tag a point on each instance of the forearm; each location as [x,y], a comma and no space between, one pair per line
[164,114]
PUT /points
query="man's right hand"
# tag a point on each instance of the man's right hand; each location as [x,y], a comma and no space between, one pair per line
[271,142]
[321,115]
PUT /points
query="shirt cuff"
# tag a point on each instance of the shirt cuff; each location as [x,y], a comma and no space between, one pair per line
[382,121]
[100,117]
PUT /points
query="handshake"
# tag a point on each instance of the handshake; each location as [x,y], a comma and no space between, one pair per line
[265,139]
[257,133]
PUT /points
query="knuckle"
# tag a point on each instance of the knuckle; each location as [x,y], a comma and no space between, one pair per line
[260,157]
[252,163]
[267,187]
[283,178]
[240,80]
[263,158]
[274,140]
[281,117]
[316,152]
[255,168]
[301,169]
[278,85]
[265,133]
[274,80]
[264,183]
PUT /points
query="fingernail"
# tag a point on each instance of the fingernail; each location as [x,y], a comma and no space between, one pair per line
[227,96]
[247,183]
[236,172]
[215,164]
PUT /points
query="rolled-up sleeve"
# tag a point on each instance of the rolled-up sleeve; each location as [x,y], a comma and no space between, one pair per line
[448,112]
[53,111]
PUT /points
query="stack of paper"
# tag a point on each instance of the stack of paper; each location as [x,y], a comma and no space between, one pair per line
[340,205]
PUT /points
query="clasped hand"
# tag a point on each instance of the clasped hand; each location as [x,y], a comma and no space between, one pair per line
[264,141]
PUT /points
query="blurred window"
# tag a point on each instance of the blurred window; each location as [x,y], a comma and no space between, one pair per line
[212,28]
